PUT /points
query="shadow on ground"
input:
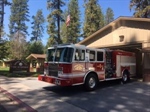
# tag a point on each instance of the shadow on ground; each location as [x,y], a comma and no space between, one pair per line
[108,97]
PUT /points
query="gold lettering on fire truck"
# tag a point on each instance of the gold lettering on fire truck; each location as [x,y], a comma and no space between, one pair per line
[78,67]
[99,66]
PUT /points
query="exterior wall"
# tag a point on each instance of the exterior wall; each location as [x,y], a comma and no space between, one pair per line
[125,33]
[39,65]
[146,67]
[131,35]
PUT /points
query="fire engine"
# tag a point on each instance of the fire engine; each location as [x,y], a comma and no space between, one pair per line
[71,64]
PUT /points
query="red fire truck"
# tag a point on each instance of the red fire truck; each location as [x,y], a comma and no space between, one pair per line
[70,64]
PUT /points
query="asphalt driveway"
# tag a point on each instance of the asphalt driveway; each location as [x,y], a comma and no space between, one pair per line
[109,96]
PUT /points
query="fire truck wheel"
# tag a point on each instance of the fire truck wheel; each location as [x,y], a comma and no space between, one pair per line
[125,77]
[91,82]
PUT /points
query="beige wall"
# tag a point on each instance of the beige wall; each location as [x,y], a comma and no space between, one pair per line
[131,35]
[136,32]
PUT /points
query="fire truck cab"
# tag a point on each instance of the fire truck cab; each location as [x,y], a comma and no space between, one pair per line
[71,64]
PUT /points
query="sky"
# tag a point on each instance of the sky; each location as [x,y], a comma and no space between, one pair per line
[119,7]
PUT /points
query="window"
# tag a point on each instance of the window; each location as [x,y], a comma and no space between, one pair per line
[92,55]
[60,54]
[50,54]
[79,55]
[121,38]
[99,56]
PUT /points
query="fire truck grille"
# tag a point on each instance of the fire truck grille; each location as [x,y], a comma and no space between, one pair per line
[53,73]
[53,70]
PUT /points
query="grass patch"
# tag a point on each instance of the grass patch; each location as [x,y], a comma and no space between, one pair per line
[5,72]
[4,68]
[18,74]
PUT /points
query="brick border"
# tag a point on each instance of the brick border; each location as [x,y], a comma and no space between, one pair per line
[14,98]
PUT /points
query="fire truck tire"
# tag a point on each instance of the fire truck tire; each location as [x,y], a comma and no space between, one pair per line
[125,77]
[91,82]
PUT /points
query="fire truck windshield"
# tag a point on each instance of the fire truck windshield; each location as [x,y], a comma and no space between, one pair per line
[64,54]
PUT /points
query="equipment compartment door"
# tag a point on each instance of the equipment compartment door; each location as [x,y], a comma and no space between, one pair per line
[118,68]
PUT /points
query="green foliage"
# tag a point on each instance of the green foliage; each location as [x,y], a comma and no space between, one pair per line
[5,72]
[51,41]
[73,29]
[2,12]
[4,52]
[141,8]
[109,17]
[2,33]
[94,18]
[18,28]
[4,69]
[63,30]
[18,46]
[38,26]
[19,16]
[54,18]
[36,47]
[51,30]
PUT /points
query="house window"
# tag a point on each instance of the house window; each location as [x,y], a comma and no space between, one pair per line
[121,38]
[34,63]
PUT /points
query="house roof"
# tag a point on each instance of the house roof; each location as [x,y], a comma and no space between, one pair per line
[115,22]
[37,56]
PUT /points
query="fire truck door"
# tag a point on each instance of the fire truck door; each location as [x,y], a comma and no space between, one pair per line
[118,66]
[79,66]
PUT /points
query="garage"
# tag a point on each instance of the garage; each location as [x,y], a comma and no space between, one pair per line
[126,33]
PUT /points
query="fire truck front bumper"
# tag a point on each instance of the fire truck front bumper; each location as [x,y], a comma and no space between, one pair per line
[56,81]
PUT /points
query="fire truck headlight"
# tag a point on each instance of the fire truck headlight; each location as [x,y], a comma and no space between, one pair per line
[60,73]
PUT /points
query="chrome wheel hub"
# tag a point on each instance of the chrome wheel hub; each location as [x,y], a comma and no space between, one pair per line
[125,77]
[92,82]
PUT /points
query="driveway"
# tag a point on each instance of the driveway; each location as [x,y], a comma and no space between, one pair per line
[109,96]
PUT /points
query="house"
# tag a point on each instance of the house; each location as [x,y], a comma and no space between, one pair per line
[36,62]
[126,33]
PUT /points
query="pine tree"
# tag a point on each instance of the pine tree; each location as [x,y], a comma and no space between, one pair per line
[4,52]
[18,28]
[18,46]
[141,7]
[70,33]
[54,18]
[94,19]
[2,12]
[19,16]
[109,17]
[36,47]
[63,29]
[73,29]
[38,26]
[52,32]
